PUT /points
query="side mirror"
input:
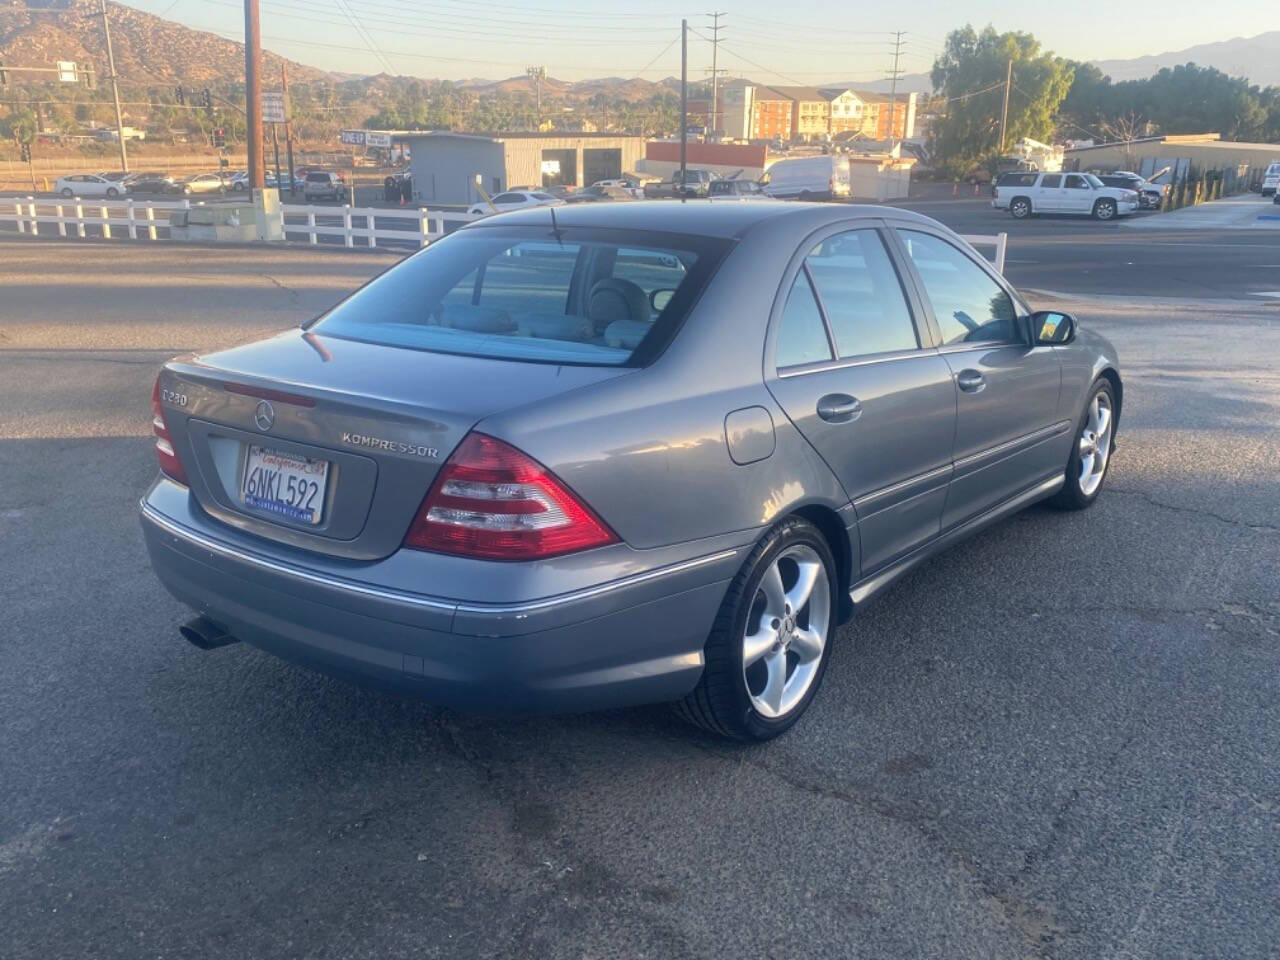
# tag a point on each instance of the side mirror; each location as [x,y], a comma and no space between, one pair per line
[1051,327]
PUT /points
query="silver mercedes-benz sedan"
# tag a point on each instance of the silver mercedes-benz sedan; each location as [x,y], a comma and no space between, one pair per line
[619,453]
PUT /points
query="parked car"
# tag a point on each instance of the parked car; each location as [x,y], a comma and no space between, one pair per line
[821,177]
[1071,193]
[524,468]
[737,190]
[200,184]
[597,193]
[560,191]
[696,183]
[323,184]
[88,185]
[117,176]
[1150,195]
[240,180]
[1271,179]
[633,187]
[515,200]
[154,182]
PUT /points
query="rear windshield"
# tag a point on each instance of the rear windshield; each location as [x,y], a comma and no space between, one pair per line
[317,178]
[586,296]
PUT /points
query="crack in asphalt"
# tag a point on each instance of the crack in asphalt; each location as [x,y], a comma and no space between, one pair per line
[1196,511]
[294,295]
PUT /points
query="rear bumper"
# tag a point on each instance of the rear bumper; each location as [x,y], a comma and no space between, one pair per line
[629,641]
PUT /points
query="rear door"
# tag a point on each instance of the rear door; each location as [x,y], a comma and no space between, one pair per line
[856,371]
[1008,435]
[1048,195]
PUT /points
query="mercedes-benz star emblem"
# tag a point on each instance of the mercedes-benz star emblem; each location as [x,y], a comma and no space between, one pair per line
[264,416]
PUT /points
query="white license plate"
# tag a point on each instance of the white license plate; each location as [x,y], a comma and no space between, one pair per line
[285,484]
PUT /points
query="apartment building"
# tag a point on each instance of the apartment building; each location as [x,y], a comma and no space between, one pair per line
[756,112]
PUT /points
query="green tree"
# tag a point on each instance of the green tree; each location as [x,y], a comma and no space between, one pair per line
[19,126]
[971,73]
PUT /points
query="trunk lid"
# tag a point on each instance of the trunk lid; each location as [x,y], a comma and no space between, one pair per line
[384,419]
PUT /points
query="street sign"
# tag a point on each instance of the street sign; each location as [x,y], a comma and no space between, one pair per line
[67,71]
[354,138]
[372,138]
[273,106]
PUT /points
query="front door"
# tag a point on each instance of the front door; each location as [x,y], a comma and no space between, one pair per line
[1008,436]
[866,388]
[1077,194]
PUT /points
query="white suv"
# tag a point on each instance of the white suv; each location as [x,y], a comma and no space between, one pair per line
[1078,193]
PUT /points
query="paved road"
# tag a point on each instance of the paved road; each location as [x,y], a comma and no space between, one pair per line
[1059,740]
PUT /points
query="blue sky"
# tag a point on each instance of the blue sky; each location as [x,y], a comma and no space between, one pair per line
[575,39]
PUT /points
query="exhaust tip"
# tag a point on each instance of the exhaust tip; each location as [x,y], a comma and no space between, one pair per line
[206,634]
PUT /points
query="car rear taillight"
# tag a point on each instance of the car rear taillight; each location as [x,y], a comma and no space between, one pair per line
[170,465]
[491,501]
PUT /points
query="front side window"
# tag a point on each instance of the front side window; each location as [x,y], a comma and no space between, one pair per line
[586,297]
[969,306]
[861,294]
[1077,182]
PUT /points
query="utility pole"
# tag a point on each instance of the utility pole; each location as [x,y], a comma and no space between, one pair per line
[684,101]
[536,74]
[715,73]
[115,88]
[288,131]
[893,88]
[1004,112]
[253,92]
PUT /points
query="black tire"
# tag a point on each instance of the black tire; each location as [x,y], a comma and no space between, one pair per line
[1020,208]
[1071,497]
[1104,209]
[720,702]
[805,196]
[112,192]
[68,193]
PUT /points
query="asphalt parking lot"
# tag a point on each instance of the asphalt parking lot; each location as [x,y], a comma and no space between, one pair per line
[1058,740]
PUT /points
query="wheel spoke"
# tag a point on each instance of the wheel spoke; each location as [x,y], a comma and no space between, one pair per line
[756,645]
[1085,447]
[798,595]
[1086,468]
[1093,415]
[807,643]
[1104,424]
[771,695]
[774,594]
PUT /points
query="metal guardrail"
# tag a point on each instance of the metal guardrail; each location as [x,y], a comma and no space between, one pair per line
[1000,241]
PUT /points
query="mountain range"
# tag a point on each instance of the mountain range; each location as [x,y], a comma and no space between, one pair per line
[1257,58]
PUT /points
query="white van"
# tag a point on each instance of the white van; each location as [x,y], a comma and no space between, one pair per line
[823,177]
[1271,179]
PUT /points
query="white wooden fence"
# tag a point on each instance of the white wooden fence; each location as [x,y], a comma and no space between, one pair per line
[139,220]
[999,241]
[149,220]
[353,222]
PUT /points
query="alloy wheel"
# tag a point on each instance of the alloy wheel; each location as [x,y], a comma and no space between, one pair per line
[1095,444]
[786,631]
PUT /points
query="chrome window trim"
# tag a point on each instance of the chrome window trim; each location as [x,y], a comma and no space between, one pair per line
[800,370]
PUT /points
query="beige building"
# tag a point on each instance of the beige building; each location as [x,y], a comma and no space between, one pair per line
[1146,155]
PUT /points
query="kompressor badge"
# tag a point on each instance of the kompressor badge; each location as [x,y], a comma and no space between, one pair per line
[389,446]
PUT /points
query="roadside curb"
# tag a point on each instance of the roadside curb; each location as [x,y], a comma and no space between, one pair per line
[1262,305]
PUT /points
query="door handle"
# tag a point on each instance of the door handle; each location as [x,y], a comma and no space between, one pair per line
[839,408]
[970,381]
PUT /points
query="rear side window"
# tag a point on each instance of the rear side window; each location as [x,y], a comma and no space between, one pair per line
[802,336]
[861,295]
[969,306]
[1052,180]
[606,298]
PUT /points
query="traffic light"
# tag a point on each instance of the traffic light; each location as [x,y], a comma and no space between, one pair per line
[207,100]
[180,95]
[4,77]
[219,137]
[90,81]
[26,153]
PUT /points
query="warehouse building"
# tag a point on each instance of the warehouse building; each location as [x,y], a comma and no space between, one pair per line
[445,165]
[1147,155]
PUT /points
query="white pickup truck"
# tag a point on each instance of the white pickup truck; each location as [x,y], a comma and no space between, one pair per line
[1072,193]
[1271,179]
